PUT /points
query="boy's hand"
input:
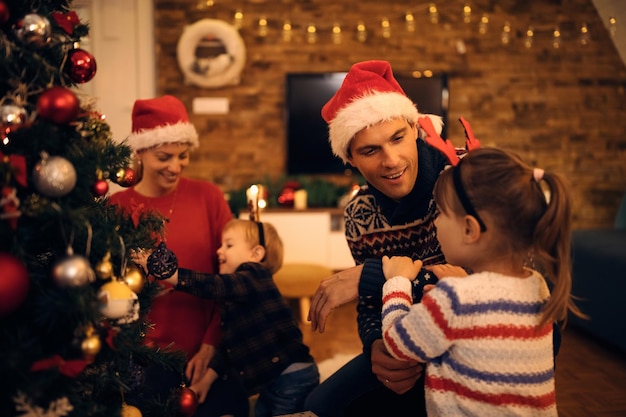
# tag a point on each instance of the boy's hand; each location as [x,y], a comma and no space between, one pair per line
[401,266]
[446,270]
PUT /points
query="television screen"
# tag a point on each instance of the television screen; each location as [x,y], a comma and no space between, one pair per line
[308,150]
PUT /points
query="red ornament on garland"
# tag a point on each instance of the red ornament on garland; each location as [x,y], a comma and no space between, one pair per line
[81,65]
[188,402]
[14,284]
[4,13]
[129,178]
[58,105]
[100,187]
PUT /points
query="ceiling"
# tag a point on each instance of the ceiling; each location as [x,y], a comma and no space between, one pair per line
[617,9]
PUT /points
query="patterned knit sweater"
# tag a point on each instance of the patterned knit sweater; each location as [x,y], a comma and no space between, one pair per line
[377,225]
[485,353]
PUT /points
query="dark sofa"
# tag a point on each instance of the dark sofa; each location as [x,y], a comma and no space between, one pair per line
[599,280]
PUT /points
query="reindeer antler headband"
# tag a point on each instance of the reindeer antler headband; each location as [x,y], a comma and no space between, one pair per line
[447,148]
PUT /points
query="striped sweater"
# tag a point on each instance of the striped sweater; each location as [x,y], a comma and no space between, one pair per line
[485,353]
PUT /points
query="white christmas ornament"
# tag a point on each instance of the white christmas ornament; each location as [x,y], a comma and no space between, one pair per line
[118,302]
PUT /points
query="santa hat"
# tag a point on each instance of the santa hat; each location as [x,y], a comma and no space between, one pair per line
[368,95]
[157,121]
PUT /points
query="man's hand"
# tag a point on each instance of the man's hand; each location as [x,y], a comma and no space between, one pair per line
[198,365]
[399,376]
[333,292]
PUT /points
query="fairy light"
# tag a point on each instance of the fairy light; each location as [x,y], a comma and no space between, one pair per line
[262,26]
[409,21]
[505,36]
[467,13]
[386,27]
[238,19]
[204,4]
[530,34]
[556,38]
[361,32]
[287,30]
[311,33]
[585,37]
[336,33]
[612,25]
[484,23]
[433,13]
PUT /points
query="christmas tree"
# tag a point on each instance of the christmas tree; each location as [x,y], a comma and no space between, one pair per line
[72,304]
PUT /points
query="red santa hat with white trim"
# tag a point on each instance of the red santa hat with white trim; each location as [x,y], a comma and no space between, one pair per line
[368,95]
[157,121]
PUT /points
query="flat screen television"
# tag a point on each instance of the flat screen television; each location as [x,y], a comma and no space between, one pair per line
[308,150]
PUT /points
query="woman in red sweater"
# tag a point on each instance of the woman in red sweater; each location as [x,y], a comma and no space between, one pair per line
[195,212]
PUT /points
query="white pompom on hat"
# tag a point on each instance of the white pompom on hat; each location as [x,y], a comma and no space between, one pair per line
[157,121]
[368,95]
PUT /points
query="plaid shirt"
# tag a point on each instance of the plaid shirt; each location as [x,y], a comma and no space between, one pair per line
[260,336]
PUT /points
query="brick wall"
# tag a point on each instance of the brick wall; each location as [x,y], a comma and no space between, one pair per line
[563,109]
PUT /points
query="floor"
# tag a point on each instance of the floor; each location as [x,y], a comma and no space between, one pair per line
[590,377]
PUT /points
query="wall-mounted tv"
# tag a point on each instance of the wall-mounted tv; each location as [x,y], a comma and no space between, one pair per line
[308,150]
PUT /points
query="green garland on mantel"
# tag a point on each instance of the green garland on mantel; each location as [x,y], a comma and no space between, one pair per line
[320,192]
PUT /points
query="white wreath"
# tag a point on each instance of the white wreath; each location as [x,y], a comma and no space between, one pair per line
[224,69]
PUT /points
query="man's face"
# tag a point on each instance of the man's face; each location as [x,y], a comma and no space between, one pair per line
[386,155]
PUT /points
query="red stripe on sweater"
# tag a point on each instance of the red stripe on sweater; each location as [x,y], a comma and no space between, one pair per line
[477,332]
[539,402]
[398,294]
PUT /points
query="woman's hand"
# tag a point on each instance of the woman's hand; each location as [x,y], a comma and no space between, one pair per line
[334,291]
[199,363]
[401,266]
[202,387]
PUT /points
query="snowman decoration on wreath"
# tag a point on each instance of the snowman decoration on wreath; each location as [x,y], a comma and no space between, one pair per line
[211,53]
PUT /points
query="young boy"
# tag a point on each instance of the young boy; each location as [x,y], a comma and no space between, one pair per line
[261,348]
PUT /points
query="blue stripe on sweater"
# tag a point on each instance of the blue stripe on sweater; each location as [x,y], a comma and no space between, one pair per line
[391,308]
[405,337]
[492,377]
[492,306]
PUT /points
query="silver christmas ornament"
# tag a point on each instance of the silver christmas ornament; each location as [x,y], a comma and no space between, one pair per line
[54,176]
[73,271]
[12,115]
[34,30]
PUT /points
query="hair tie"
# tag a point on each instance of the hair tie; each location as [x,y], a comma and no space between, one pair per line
[538,174]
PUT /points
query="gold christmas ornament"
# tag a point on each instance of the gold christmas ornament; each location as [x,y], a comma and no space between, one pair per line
[91,346]
[104,268]
[135,278]
[130,411]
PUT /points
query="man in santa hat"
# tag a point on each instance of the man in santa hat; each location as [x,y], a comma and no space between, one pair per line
[374,127]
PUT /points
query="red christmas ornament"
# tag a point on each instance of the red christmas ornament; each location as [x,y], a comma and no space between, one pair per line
[100,188]
[4,13]
[188,402]
[58,104]
[129,178]
[14,283]
[81,65]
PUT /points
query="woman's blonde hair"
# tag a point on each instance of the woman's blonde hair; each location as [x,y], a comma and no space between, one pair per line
[273,244]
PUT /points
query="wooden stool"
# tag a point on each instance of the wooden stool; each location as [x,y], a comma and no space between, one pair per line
[300,280]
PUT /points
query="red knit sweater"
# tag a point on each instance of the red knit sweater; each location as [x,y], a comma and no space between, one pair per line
[197,213]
